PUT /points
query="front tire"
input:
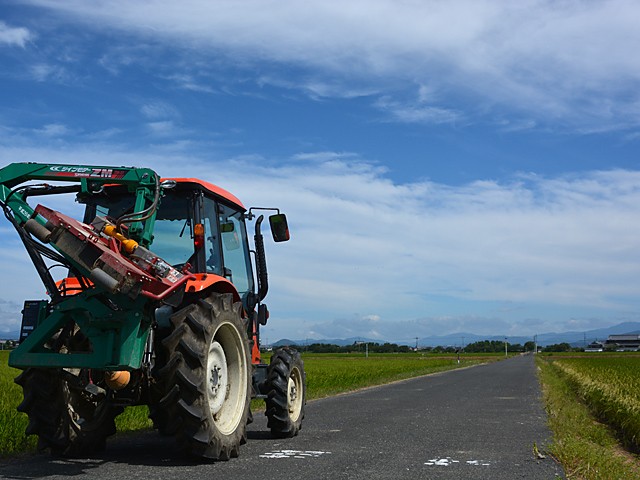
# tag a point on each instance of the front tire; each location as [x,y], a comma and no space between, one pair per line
[66,419]
[206,378]
[286,393]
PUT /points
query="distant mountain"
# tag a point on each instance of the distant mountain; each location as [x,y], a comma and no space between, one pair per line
[329,341]
[574,338]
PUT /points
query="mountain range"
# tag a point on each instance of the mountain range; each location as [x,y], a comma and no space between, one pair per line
[574,338]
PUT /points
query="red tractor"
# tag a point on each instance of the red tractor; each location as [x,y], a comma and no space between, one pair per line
[159,307]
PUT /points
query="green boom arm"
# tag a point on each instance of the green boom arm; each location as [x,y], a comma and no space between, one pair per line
[142,182]
[115,322]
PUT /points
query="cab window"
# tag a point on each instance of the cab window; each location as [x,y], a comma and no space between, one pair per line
[233,236]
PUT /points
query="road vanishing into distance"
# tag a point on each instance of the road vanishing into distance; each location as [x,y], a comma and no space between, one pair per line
[474,423]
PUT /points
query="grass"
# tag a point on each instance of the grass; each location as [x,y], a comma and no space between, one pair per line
[588,449]
[611,389]
[12,422]
[333,374]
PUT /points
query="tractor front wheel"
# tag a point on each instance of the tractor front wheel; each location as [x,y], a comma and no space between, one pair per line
[286,393]
[206,378]
[69,420]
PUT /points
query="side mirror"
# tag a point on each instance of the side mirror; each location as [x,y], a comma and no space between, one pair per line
[279,227]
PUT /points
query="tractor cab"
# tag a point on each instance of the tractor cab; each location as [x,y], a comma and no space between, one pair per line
[199,229]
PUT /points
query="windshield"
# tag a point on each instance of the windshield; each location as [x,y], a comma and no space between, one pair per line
[173,229]
[226,249]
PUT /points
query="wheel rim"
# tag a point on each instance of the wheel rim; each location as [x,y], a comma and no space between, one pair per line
[295,394]
[226,378]
[217,377]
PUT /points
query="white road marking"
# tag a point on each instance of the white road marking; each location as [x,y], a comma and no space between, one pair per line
[294,454]
[447,461]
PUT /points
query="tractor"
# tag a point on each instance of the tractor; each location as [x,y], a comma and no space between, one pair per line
[157,304]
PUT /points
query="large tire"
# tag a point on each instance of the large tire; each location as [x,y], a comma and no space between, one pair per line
[67,421]
[286,393]
[206,379]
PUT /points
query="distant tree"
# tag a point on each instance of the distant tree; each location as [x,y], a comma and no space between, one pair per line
[515,347]
[558,347]
[355,347]
[529,346]
[485,346]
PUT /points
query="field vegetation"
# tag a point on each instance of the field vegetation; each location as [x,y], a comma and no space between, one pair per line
[593,402]
[337,373]
[327,374]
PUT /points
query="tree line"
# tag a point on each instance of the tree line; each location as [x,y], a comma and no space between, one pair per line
[484,346]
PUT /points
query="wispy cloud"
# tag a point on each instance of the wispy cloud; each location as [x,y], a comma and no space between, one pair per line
[44,72]
[534,58]
[156,110]
[54,130]
[14,36]
[418,111]
[187,81]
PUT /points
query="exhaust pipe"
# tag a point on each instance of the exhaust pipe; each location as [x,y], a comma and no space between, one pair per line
[261,262]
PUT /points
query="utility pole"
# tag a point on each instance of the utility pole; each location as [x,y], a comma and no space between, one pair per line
[366,348]
[505,347]
[416,344]
[535,344]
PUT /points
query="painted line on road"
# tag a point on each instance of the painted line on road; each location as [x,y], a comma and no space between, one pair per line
[300,454]
[448,461]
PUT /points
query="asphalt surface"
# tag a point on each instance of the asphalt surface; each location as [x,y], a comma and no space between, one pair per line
[476,423]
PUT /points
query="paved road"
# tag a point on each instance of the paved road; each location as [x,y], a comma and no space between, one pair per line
[476,423]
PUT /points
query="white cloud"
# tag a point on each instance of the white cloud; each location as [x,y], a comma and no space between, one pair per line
[43,72]
[17,36]
[54,130]
[162,128]
[417,112]
[418,258]
[9,317]
[188,82]
[568,62]
[158,110]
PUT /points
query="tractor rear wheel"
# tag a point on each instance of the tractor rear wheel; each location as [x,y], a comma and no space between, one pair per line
[286,393]
[206,378]
[68,419]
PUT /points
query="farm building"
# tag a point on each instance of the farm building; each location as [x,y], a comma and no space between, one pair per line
[595,347]
[623,343]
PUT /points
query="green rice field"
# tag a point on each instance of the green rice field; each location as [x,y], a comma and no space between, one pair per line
[610,387]
[592,402]
[327,374]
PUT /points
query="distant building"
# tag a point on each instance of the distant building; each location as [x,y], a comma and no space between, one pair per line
[623,343]
[595,347]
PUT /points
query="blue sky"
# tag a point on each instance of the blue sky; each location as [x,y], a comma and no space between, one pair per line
[461,166]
